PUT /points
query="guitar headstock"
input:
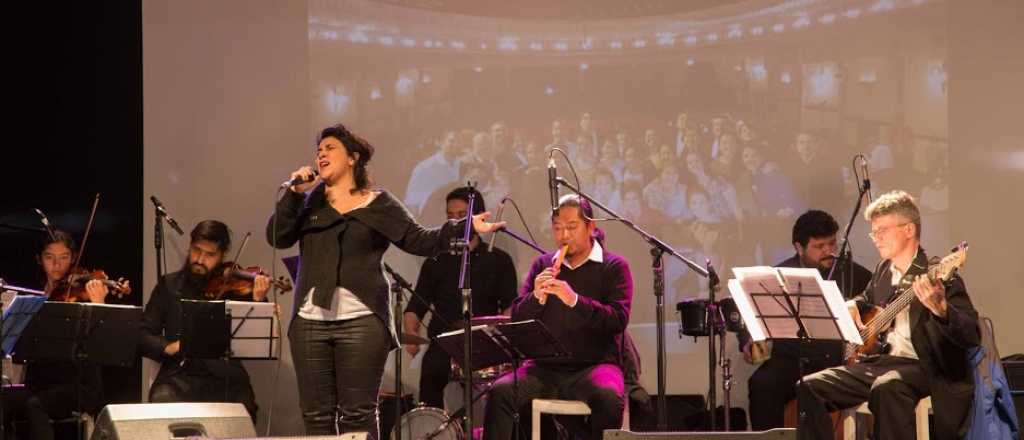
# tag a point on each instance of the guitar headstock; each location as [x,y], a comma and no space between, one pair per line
[949,264]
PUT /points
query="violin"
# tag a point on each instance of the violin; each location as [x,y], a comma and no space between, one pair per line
[72,287]
[231,281]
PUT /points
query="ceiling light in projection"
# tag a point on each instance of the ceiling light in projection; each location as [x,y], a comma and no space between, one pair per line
[336,101]
[936,78]
[821,85]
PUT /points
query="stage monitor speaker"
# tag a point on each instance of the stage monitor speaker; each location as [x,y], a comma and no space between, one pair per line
[773,434]
[152,421]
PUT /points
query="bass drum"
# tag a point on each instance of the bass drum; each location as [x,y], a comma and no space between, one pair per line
[424,421]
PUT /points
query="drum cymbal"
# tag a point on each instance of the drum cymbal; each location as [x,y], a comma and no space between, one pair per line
[411,339]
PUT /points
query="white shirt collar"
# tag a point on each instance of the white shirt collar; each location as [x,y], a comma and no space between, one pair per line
[897,274]
[596,255]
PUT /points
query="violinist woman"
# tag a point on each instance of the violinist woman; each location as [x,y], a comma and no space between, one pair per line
[194,380]
[56,259]
[342,328]
[50,391]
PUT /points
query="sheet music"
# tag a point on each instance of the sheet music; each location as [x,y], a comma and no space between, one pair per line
[837,304]
[7,296]
[759,279]
[759,293]
[782,328]
[746,309]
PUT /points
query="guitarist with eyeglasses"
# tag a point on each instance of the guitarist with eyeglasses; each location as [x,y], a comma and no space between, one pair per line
[917,323]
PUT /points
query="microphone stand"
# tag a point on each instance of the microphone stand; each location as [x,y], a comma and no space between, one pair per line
[843,249]
[467,314]
[158,243]
[22,228]
[658,250]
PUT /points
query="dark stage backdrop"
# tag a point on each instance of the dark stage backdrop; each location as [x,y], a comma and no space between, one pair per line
[75,113]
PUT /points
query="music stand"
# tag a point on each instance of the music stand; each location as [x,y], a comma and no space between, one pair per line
[510,342]
[104,334]
[243,330]
[17,312]
[205,330]
[16,317]
[98,334]
[791,303]
[254,334]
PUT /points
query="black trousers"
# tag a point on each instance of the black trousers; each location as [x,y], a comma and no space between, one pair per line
[435,373]
[339,365]
[52,391]
[206,380]
[773,384]
[600,386]
[22,404]
[891,386]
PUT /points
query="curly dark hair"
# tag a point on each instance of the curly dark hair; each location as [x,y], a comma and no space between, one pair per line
[356,146]
[813,224]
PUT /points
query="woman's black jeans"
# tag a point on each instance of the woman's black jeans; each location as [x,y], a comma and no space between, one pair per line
[339,365]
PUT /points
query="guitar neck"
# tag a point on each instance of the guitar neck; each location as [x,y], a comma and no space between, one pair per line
[888,314]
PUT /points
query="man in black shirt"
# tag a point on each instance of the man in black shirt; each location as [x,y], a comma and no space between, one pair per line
[193,380]
[773,384]
[585,303]
[492,278]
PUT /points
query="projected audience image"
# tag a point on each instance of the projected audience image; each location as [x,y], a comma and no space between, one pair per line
[713,131]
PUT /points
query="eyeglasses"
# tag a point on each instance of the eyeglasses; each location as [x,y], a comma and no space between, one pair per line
[875,233]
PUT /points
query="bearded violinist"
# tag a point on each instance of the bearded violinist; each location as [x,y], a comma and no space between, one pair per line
[194,380]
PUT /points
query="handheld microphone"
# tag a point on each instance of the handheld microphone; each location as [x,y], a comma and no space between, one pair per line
[553,183]
[299,179]
[163,212]
[867,178]
[501,210]
[46,224]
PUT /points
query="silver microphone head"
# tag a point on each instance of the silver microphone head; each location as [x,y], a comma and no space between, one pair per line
[42,216]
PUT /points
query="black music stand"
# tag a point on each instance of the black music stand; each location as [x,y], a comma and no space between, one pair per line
[205,330]
[81,333]
[510,342]
[226,330]
[103,334]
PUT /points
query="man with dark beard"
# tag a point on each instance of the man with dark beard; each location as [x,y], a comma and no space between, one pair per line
[773,384]
[194,380]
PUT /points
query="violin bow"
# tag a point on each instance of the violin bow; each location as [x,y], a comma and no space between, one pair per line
[85,238]
[238,253]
